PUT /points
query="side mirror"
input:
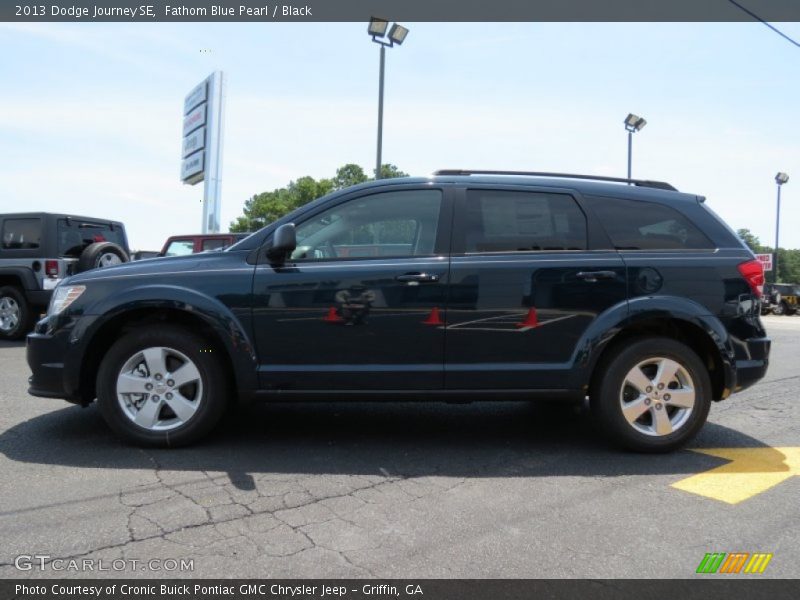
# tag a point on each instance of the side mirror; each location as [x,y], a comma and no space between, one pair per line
[284,242]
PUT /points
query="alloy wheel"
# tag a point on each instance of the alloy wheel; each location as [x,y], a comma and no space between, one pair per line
[108,259]
[9,314]
[657,396]
[159,388]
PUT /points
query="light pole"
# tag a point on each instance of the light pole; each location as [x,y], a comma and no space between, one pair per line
[633,123]
[397,34]
[780,179]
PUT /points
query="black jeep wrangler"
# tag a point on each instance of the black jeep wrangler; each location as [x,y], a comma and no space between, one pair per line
[463,286]
[38,250]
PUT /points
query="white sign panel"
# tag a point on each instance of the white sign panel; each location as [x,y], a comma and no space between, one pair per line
[196,118]
[194,141]
[192,168]
[766,261]
[197,96]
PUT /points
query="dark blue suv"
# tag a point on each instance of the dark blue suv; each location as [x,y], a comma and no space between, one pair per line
[463,286]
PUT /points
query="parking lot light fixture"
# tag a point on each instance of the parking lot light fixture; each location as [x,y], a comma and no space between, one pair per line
[633,123]
[780,179]
[377,27]
[397,35]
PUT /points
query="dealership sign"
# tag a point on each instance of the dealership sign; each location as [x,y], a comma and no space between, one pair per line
[766,261]
[194,141]
[201,144]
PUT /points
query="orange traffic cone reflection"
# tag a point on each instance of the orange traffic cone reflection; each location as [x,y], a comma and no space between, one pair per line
[332,317]
[531,320]
[434,318]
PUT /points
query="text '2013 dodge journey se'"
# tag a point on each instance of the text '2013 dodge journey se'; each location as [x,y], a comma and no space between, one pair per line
[463,286]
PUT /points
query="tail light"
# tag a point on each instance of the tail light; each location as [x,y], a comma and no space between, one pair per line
[753,273]
[51,268]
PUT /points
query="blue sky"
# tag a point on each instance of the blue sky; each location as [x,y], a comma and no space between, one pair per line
[90,113]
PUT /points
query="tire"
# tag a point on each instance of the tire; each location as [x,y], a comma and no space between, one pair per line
[779,309]
[101,254]
[15,313]
[664,423]
[198,402]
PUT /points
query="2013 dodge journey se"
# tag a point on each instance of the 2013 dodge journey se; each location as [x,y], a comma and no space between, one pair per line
[463,286]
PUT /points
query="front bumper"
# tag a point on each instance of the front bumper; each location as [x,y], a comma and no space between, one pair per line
[46,353]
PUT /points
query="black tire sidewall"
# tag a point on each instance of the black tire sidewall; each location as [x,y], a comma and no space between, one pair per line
[90,255]
[605,398]
[212,403]
[19,332]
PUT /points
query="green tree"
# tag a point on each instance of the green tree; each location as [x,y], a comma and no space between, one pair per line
[751,240]
[261,209]
[788,259]
[349,174]
[390,172]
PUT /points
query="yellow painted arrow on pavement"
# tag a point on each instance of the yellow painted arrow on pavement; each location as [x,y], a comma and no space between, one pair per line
[750,472]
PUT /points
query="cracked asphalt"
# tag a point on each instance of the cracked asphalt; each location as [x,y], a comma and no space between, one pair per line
[391,490]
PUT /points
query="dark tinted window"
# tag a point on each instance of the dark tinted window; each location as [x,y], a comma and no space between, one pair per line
[214,244]
[637,225]
[386,224]
[74,235]
[21,234]
[509,221]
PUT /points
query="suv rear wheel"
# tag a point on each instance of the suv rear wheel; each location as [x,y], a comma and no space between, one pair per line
[157,387]
[653,395]
[15,314]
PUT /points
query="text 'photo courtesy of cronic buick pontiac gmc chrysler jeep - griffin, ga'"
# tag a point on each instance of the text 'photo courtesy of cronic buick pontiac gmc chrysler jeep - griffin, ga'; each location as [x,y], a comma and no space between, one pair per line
[468,285]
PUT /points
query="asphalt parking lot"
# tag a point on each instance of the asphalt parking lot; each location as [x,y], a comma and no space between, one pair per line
[404,490]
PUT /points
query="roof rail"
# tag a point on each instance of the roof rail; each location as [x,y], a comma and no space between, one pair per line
[661,185]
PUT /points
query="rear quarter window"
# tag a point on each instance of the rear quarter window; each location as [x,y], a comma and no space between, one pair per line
[21,234]
[641,225]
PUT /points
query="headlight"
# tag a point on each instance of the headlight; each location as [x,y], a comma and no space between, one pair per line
[63,297]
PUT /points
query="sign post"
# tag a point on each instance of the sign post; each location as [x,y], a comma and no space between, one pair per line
[201,155]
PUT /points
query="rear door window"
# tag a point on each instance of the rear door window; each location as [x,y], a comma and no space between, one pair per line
[214,244]
[516,221]
[75,235]
[640,225]
[21,234]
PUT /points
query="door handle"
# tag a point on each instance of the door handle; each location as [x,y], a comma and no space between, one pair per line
[592,276]
[417,278]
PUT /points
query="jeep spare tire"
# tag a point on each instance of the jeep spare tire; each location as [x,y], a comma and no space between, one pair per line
[101,254]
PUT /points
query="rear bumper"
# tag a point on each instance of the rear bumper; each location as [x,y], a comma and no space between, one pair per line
[753,366]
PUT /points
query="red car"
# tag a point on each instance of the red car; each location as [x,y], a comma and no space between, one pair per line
[179,245]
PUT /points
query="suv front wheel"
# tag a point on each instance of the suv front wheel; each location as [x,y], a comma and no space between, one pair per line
[161,386]
[653,395]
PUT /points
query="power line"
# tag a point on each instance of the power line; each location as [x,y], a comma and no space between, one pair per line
[757,18]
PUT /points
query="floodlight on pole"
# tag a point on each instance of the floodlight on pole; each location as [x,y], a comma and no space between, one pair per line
[780,179]
[397,35]
[377,27]
[633,123]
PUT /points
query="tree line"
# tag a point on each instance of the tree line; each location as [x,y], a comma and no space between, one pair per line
[788,259]
[266,207]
